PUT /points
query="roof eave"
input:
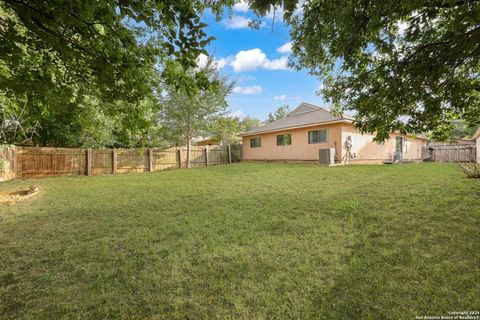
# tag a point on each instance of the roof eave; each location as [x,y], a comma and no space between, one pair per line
[247,134]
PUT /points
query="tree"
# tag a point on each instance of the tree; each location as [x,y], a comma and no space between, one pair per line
[248,123]
[225,129]
[108,43]
[411,66]
[185,114]
[83,120]
[70,69]
[460,130]
[280,113]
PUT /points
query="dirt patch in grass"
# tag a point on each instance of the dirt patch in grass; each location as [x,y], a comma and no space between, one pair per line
[12,197]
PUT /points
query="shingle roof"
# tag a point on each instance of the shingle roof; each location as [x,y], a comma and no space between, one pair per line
[305,114]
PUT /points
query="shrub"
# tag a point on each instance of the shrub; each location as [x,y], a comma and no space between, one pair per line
[472,170]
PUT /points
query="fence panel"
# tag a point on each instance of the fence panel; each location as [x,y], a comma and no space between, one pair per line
[32,162]
[218,155]
[44,162]
[197,157]
[236,150]
[132,160]
[102,161]
[165,159]
[449,153]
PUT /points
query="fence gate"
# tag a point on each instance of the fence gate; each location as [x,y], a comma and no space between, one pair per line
[449,153]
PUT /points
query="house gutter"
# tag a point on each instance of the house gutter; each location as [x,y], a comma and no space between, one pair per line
[246,134]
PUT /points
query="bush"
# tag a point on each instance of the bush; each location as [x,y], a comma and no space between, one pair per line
[472,170]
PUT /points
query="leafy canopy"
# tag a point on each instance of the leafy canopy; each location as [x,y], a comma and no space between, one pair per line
[278,114]
[226,129]
[106,42]
[411,66]
[187,115]
[82,73]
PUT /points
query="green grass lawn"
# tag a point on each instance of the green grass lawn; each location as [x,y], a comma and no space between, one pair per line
[244,241]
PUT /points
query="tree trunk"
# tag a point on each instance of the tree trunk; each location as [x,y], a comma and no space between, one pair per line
[189,146]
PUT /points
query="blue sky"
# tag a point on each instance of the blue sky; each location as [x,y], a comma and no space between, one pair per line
[255,60]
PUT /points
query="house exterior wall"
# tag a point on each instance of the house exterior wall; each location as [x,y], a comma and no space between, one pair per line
[299,150]
[366,150]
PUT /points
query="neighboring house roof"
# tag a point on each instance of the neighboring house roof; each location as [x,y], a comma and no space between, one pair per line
[305,114]
[206,141]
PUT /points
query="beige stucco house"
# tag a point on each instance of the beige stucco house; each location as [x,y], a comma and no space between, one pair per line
[309,128]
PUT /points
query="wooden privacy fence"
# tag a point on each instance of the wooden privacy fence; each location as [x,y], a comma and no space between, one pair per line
[32,162]
[449,153]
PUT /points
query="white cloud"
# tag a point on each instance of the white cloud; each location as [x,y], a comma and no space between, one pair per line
[248,90]
[241,6]
[280,97]
[236,22]
[275,12]
[247,60]
[219,63]
[286,48]
[276,64]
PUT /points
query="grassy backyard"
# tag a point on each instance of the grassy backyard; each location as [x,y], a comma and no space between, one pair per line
[244,241]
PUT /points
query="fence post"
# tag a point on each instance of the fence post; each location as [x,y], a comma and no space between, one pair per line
[150,159]
[114,161]
[17,162]
[89,162]
[206,155]
[179,157]
[229,148]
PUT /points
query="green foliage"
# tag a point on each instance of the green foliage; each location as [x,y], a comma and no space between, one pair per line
[459,130]
[227,129]
[280,113]
[248,123]
[186,114]
[108,44]
[408,66]
[84,121]
[81,73]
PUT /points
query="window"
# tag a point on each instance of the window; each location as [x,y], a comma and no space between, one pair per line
[255,142]
[284,140]
[318,136]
